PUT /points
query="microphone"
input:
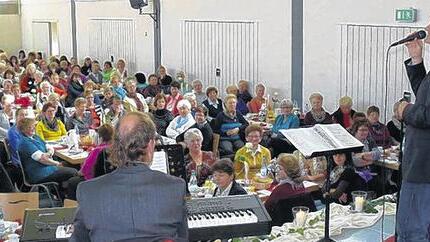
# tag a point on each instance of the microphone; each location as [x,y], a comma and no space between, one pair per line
[417,35]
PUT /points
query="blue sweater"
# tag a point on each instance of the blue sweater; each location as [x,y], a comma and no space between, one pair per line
[35,170]
[292,121]
[14,137]
[223,123]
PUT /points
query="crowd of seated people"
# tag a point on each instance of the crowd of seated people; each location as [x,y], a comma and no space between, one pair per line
[65,95]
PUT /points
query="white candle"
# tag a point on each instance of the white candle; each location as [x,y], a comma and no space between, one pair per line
[300,218]
[359,204]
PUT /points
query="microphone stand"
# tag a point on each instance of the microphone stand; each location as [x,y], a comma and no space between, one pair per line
[399,178]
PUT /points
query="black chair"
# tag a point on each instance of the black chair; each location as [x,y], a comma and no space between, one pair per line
[282,212]
[6,184]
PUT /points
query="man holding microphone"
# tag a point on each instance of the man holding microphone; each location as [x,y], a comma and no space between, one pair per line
[413,219]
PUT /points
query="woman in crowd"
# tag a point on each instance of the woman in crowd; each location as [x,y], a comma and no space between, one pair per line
[394,126]
[115,81]
[75,89]
[91,86]
[59,107]
[105,133]
[317,115]
[64,68]
[96,74]
[7,88]
[49,127]
[363,161]
[174,97]
[121,69]
[192,99]
[377,130]
[255,104]
[153,88]
[182,122]
[6,115]
[249,159]
[196,159]
[198,91]
[86,67]
[287,120]
[37,160]
[343,179]
[94,109]
[42,96]
[223,177]
[29,81]
[290,185]
[140,81]
[81,119]
[43,66]
[76,69]
[107,71]
[344,113]
[213,103]
[244,93]
[21,57]
[21,99]
[134,101]
[57,86]
[164,79]
[10,75]
[230,125]
[241,105]
[162,116]
[115,111]
[108,94]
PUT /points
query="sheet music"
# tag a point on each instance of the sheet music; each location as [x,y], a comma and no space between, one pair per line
[321,138]
[159,162]
[308,184]
[306,140]
[340,136]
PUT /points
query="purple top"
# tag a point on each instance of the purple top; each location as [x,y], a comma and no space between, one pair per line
[87,168]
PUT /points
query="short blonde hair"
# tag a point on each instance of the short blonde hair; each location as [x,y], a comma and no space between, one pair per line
[229,96]
[79,101]
[230,88]
[25,123]
[345,101]
[315,95]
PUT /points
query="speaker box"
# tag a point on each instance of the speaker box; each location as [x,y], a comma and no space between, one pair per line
[137,4]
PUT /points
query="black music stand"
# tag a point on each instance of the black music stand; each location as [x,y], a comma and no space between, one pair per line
[175,159]
[329,157]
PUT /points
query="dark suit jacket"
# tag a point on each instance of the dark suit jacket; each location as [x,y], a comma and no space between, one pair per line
[133,201]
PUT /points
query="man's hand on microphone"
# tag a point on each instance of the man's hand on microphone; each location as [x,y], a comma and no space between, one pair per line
[401,109]
[415,49]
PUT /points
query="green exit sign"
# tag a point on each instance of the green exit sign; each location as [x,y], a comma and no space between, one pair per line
[406,15]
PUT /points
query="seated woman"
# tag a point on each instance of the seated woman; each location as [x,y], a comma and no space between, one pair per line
[317,115]
[105,133]
[173,99]
[343,179]
[108,94]
[23,100]
[230,125]
[94,109]
[287,120]
[6,115]
[60,111]
[316,170]
[81,119]
[344,113]
[37,159]
[49,127]
[255,104]
[58,87]
[213,103]
[182,122]
[115,112]
[115,82]
[74,90]
[193,101]
[134,101]
[153,88]
[244,94]
[290,186]
[162,116]
[140,82]
[394,125]
[363,161]
[377,130]
[223,177]
[241,105]
[196,159]
[249,159]
[42,96]
[164,79]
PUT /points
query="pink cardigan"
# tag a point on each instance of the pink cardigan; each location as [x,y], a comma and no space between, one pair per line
[87,168]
